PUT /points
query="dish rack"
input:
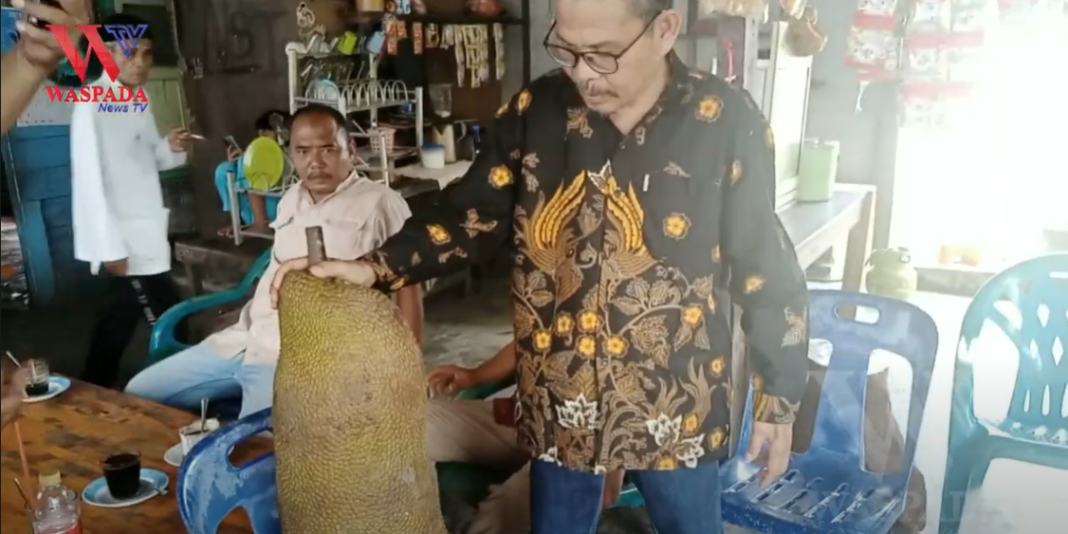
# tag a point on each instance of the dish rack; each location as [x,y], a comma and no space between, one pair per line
[239,229]
[377,153]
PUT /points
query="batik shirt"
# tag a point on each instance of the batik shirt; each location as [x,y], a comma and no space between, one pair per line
[625,247]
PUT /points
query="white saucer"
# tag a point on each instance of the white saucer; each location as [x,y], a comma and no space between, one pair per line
[153,483]
[174,456]
[56,386]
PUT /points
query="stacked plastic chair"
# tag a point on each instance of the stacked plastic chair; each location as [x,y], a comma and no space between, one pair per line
[1028,303]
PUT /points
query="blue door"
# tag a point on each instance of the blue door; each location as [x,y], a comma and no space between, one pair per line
[37,167]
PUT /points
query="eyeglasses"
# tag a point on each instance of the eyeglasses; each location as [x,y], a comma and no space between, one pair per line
[599,62]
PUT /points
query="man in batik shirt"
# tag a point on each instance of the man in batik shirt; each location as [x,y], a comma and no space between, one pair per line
[639,193]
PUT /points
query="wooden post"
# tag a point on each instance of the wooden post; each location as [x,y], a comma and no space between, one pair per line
[316,245]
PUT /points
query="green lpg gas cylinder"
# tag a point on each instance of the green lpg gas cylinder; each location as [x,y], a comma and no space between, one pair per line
[891,274]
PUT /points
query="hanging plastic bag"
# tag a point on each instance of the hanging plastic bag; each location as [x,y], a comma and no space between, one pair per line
[926,59]
[750,9]
[921,108]
[873,45]
[931,17]
[793,9]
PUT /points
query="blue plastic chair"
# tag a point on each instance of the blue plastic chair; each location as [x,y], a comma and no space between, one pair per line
[162,342]
[827,490]
[210,487]
[1014,302]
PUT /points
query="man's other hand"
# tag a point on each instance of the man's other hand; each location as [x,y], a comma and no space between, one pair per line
[38,45]
[449,379]
[117,267]
[233,154]
[779,439]
[353,272]
[14,390]
[179,139]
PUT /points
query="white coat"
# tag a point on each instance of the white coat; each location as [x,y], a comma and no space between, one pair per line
[118,211]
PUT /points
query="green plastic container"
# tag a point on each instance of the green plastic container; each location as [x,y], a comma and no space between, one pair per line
[818,169]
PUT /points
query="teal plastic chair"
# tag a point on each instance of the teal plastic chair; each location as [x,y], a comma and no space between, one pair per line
[162,343]
[1029,304]
[470,483]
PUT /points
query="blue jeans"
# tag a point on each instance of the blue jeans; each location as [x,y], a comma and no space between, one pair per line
[242,198]
[196,373]
[683,501]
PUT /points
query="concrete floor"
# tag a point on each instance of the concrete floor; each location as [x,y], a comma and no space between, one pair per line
[1017,499]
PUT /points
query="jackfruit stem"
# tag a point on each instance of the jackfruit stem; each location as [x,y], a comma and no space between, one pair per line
[316,245]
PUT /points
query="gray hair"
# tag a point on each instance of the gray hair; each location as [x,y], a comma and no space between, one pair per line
[647,9]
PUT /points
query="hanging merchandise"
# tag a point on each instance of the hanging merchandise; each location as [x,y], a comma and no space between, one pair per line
[472,55]
[750,9]
[793,9]
[432,36]
[922,106]
[943,59]
[393,29]
[930,17]
[804,36]
[485,72]
[1020,13]
[329,16]
[874,47]
[498,49]
[306,23]
[370,6]
[965,52]
[484,8]
[454,37]
[417,37]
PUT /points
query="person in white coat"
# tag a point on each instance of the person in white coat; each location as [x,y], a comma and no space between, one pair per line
[120,221]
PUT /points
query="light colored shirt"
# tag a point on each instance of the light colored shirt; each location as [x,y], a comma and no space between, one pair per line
[356,219]
[117,199]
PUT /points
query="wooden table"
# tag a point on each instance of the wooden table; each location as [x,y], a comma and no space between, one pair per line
[73,432]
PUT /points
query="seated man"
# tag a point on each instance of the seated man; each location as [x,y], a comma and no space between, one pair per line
[467,431]
[256,210]
[355,214]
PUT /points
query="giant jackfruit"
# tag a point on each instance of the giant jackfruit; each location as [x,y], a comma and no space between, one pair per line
[350,415]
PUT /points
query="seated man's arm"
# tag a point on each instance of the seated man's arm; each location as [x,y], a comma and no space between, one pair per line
[499,368]
[449,379]
[410,302]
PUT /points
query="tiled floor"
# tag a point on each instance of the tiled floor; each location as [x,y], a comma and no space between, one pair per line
[1017,499]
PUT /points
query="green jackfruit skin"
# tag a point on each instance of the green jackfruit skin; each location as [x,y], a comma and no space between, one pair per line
[350,415]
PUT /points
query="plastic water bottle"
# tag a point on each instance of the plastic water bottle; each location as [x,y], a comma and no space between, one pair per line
[57,510]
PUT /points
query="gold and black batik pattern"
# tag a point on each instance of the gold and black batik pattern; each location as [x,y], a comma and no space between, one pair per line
[625,246]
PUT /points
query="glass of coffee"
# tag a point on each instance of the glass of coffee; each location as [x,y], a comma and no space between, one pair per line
[122,471]
[37,378]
